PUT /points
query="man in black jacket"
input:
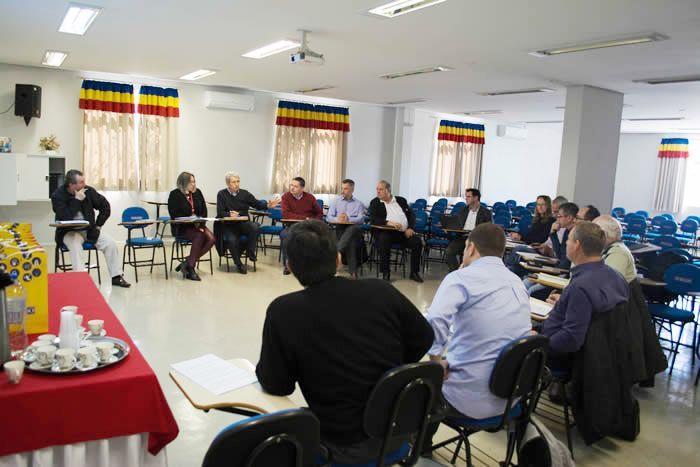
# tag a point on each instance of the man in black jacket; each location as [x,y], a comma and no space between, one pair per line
[232,201]
[473,215]
[77,201]
[394,213]
[336,338]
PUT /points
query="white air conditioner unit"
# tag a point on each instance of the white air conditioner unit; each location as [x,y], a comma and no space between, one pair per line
[513,132]
[229,101]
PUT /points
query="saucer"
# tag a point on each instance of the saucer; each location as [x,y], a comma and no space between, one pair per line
[115,351]
[112,359]
[101,334]
[37,366]
[80,367]
[56,369]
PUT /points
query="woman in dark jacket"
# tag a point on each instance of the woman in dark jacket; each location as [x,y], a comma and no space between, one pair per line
[187,201]
[541,224]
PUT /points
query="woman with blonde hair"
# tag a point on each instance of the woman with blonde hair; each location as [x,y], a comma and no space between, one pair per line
[186,201]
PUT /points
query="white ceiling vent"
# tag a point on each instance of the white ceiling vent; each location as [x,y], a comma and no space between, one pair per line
[229,101]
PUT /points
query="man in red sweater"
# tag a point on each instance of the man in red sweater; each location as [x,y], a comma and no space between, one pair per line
[297,204]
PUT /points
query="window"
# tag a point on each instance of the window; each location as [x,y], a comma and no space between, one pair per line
[691,193]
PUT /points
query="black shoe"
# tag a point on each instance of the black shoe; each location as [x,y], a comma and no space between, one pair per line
[415,277]
[242,269]
[286,272]
[180,266]
[120,282]
[386,276]
[192,275]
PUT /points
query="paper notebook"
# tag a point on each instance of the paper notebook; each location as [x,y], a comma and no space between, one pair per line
[214,373]
[553,279]
[540,308]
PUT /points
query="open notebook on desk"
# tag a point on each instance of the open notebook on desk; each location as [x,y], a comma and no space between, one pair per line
[76,222]
[555,280]
[539,308]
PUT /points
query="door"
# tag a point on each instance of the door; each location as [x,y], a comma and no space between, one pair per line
[33,182]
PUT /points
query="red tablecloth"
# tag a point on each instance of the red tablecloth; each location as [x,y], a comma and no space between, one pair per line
[50,410]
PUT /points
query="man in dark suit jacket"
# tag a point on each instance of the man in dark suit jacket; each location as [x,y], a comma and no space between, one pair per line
[336,338]
[393,211]
[233,201]
[77,201]
[471,216]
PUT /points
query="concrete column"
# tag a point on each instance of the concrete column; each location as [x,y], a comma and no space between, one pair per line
[590,145]
[400,181]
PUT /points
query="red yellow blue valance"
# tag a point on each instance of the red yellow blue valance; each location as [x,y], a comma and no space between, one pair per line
[673,148]
[461,132]
[106,96]
[159,101]
[322,117]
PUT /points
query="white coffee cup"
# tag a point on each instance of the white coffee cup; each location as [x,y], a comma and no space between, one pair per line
[87,356]
[78,321]
[95,326]
[65,358]
[104,349]
[49,338]
[14,370]
[45,354]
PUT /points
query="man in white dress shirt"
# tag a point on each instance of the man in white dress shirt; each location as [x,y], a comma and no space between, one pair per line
[393,211]
[471,216]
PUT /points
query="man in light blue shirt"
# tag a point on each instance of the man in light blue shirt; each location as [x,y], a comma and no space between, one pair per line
[346,214]
[486,306]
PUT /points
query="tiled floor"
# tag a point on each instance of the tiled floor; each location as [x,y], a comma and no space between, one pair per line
[175,320]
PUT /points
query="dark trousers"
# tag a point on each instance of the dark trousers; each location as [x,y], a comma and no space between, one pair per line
[202,241]
[513,260]
[385,238]
[232,239]
[454,249]
[349,242]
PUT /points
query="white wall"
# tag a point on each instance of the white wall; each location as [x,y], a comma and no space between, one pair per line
[212,142]
[521,169]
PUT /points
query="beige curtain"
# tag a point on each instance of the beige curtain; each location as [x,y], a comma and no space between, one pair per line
[109,159]
[316,155]
[455,167]
[670,184]
[158,156]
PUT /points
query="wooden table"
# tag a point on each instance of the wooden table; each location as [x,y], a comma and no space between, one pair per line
[458,231]
[385,227]
[647,248]
[536,257]
[545,269]
[70,226]
[538,279]
[343,223]
[232,219]
[157,204]
[255,212]
[650,282]
[248,400]
[140,223]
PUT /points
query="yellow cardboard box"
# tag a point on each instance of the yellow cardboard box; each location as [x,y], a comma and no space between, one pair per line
[19,251]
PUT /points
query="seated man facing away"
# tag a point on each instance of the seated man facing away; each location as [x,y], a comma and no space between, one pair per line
[471,216]
[347,213]
[477,311]
[594,288]
[336,338]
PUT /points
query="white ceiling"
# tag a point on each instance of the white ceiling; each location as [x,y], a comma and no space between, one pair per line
[486,43]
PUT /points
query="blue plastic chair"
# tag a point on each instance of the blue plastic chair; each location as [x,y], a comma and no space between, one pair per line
[60,259]
[644,214]
[511,203]
[618,212]
[288,438]
[421,203]
[635,230]
[516,376]
[689,230]
[668,216]
[666,242]
[503,219]
[319,201]
[272,230]
[141,242]
[458,207]
[532,207]
[497,205]
[680,279]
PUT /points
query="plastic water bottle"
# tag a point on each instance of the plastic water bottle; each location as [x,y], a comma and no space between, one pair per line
[16,298]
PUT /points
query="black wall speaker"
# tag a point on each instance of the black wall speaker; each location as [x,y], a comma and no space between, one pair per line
[27,101]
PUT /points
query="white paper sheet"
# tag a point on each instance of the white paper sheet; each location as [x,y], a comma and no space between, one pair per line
[553,279]
[76,222]
[214,373]
[539,308]
[533,256]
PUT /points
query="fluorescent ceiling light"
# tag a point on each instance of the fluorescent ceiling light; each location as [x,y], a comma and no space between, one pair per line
[421,71]
[671,80]
[78,18]
[653,37]
[515,91]
[54,58]
[401,7]
[307,91]
[408,101]
[655,119]
[561,107]
[483,112]
[272,49]
[197,74]
[545,121]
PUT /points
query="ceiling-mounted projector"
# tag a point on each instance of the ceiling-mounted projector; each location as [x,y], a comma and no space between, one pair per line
[305,55]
